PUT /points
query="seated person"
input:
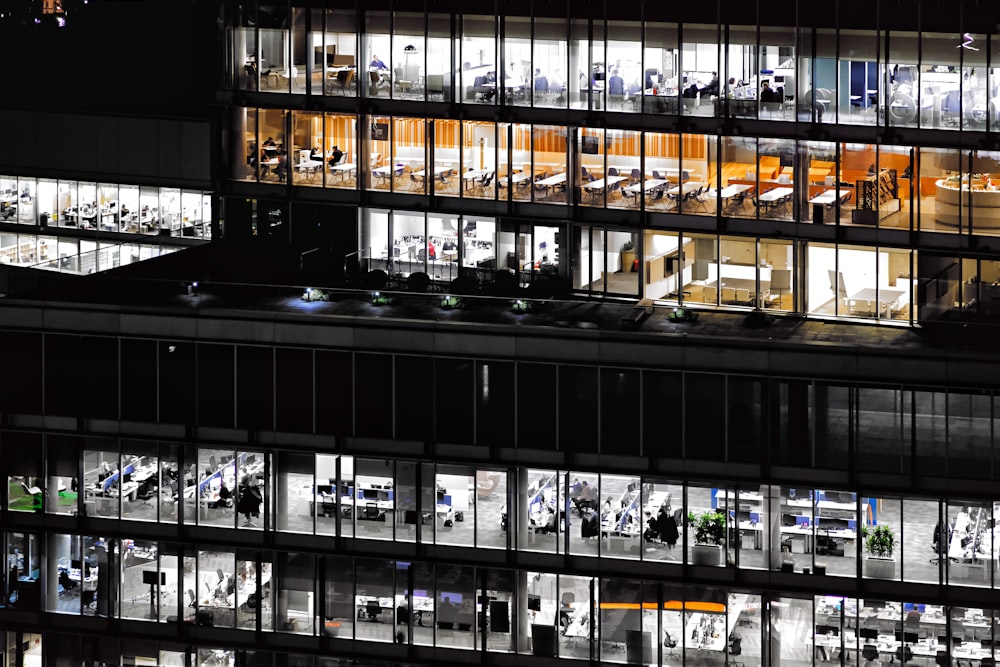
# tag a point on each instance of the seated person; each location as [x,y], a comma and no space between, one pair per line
[713,86]
[335,156]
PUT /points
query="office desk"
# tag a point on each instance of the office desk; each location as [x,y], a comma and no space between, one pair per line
[342,171]
[863,302]
[596,188]
[470,177]
[772,199]
[437,171]
[827,197]
[309,167]
[552,182]
[648,185]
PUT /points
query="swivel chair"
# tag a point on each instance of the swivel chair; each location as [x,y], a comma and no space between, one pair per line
[735,650]
[904,654]
[372,610]
[870,654]
[66,583]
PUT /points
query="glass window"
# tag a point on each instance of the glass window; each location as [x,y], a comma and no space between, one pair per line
[276,53]
[376,54]
[905,104]
[478,80]
[858,60]
[699,79]
[384,172]
[27,202]
[623,85]
[102,480]
[337,54]
[409,52]
[309,157]
[478,155]
[658,83]
[295,595]
[375,596]
[437,84]
[539,525]
[551,55]
[444,177]
[664,521]
[140,467]
[970,542]
[707,536]
[246,56]
[663,267]
[374,513]
[741,72]
[216,588]
[341,140]
[945,179]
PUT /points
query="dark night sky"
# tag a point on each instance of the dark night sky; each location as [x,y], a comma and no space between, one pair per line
[148,56]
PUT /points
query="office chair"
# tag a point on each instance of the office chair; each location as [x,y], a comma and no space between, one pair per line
[870,653]
[372,610]
[66,583]
[736,649]
[951,108]
[371,511]
[146,492]
[670,644]
[192,599]
[904,654]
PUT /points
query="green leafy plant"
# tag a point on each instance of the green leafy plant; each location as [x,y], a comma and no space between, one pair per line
[312,294]
[628,245]
[709,527]
[448,302]
[880,541]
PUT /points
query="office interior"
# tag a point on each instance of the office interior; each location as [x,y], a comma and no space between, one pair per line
[571,512]
[824,279]
[527,611]
[901,187]
[105,207]
[850,76]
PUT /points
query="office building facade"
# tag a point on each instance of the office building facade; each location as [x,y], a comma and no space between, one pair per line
[213,474]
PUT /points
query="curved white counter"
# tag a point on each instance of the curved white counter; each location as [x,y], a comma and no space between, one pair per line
[983,204]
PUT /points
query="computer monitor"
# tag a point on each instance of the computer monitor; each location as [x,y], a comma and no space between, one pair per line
[440,495]
[911,637]
[128,477]
[76,564]
[875,604]
[779,80]
[788,519]
[324,489]
[868,633]
[534,602]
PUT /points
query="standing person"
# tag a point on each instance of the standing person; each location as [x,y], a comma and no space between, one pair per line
[431,250]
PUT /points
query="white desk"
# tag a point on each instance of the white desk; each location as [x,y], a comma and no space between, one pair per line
[649,185]
[888,300]
[774,194]
[827,197]
[343,170]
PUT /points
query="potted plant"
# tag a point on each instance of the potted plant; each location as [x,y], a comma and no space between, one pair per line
[709,536]
[628,256]
[880,544]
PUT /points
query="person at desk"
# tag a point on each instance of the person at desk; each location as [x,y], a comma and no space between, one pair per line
[225,498]
[316,154]
[713,86]
[335,156]
[377,64]
[769,95]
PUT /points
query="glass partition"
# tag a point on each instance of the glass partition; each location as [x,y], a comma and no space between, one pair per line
[861,99]
[409,53]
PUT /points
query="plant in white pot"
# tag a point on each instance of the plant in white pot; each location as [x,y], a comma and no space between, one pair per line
[880,545]
[709,536]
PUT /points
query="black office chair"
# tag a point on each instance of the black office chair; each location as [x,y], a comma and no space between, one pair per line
[372,610]
[736,649]
[870,654]
[66,583]
[904,654]
[192,599]
[371,511]
[670,644]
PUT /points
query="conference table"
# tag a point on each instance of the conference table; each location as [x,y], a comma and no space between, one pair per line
[888,301]
[552,182]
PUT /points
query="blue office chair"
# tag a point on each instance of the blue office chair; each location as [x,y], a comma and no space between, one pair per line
[951,108]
